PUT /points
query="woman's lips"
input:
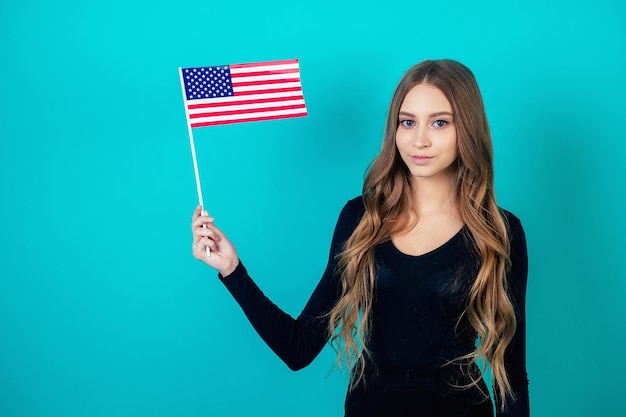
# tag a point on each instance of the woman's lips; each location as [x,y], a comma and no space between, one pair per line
[421,159]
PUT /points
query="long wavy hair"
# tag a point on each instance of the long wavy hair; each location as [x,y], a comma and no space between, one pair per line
[387,199]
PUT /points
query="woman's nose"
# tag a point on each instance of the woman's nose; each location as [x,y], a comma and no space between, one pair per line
[421,139]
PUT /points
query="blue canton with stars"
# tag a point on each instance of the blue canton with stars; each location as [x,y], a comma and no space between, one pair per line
[208,82]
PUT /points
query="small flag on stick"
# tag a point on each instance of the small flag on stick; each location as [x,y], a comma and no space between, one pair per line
[243,93]
[239,93]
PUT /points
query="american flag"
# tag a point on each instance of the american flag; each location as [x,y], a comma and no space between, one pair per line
[242,92]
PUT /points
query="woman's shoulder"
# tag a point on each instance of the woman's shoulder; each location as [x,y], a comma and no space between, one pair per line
[355,206]
[518,255]
[517,235]
[350,216]
[513,222]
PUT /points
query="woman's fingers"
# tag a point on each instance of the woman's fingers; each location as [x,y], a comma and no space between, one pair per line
[204,226]
[197,212]
[207,236]
[209,231]
[211,244]
[200,244]
[199,247]
[199,218]
[203,237]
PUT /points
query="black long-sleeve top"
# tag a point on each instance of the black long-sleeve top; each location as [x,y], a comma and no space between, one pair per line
[417,304]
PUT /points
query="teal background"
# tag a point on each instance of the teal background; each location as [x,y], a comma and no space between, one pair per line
[103,310]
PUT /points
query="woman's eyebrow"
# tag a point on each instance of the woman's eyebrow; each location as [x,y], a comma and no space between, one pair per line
[439,113]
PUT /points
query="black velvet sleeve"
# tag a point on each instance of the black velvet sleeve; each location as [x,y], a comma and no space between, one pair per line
[515,357]
[296,341]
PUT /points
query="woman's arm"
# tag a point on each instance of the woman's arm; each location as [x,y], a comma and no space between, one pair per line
[296,341]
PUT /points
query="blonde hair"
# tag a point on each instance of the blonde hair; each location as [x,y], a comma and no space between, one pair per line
[386,195]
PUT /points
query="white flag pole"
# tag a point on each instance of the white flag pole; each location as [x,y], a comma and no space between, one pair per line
[193,148]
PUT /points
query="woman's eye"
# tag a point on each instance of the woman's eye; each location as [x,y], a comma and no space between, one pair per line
[407,123]
[439,123]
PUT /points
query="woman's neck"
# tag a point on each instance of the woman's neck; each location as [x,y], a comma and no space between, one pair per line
[433,195]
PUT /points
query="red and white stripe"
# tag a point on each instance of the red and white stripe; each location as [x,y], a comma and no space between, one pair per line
[261,91]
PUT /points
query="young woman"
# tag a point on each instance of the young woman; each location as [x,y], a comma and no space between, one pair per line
[426,277]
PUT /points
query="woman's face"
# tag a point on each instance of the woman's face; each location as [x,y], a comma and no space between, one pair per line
[426,135]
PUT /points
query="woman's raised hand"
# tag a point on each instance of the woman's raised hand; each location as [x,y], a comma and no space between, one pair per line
[223,255]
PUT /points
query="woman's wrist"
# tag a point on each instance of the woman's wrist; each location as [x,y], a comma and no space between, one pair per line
[226,272]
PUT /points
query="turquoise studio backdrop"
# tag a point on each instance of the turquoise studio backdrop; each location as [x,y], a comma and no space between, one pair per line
[103,310]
